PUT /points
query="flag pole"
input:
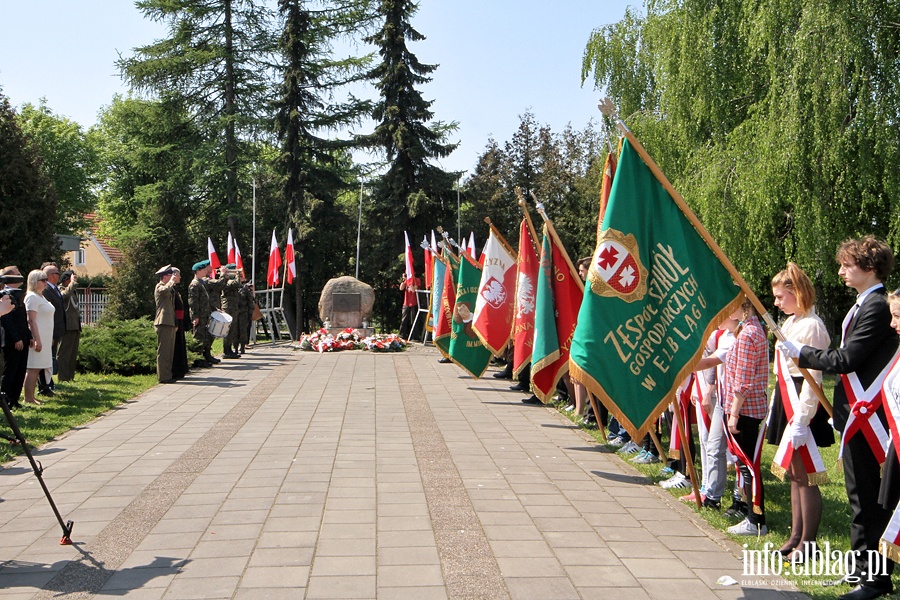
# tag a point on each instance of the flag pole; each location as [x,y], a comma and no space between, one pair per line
[500,238]
[682,205]
[556,240]
[527,218]
[682,435]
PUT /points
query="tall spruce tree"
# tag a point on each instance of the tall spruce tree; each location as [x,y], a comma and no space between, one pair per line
[413,195]
[313,169]
[216,63]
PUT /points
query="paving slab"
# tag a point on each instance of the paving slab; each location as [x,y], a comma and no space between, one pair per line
[289,474]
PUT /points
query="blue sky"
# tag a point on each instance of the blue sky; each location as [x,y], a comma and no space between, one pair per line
[498,58]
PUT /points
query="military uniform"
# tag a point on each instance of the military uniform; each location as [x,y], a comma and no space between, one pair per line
[164,322]
[231,292]
[200,304]
[245,312]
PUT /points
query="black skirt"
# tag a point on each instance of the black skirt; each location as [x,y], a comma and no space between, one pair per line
[821,431]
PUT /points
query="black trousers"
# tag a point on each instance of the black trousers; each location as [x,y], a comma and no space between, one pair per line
[862,478]
[14,372]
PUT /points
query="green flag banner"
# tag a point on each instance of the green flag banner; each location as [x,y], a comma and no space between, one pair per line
[444,319]
[654,294]
[466,348]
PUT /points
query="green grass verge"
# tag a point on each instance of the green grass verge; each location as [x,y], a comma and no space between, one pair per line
[75,403]
[834,528]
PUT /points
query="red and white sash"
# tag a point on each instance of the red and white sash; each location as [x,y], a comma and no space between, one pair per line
[864,403]
[683,397]
[754,464]
[809,452]
[890,540]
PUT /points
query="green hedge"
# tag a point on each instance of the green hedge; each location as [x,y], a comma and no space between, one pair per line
[126,347]
[115,346]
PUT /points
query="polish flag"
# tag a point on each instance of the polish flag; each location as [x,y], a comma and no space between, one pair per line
[230,250]
[238,261]
[273,277]
[213,257]
[410,272]
[471,246]
[494,305]
[289,259]
[429,262]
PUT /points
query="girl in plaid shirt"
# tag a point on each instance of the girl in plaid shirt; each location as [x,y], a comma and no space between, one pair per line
[745,404]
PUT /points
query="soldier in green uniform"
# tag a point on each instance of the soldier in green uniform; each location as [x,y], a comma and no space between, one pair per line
[245,313]
[201,307]
[231,305]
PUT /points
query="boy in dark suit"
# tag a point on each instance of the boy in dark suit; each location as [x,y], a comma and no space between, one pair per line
[867,346]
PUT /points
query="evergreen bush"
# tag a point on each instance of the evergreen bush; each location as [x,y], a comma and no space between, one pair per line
[127,347]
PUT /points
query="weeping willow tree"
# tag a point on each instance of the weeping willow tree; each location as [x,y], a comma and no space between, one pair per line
[776,119]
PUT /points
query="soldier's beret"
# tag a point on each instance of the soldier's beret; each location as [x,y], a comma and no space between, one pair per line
[200,265]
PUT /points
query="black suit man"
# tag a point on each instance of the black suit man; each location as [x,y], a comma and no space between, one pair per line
[867,346]
[54,297]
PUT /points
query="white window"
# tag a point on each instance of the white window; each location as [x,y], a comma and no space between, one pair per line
[79,257]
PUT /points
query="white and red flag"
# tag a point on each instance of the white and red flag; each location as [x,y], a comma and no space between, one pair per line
[230,250]
[429,262]
[495,303]
[273,277]
[290,262]
[238,261]
[471,246]
[434,246]
[526,287]
[410,273]
[213,257]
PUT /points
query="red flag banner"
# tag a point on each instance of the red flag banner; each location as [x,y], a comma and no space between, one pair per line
[558,299]
[495,301]
[526,286]
[443,326]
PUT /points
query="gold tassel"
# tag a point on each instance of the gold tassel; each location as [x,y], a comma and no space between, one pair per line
[778,471]
[757,510]
[890,550]
[675,454]
[818,478]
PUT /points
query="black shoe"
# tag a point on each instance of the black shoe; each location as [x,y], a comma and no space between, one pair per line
[504,374]
[46,392]
[866,592]
[519,387]
[230,355]
[736,512]
[444,361]
[533,400]
[713,504]
[168,381]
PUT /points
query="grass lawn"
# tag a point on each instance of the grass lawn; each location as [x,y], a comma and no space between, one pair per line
[74,404]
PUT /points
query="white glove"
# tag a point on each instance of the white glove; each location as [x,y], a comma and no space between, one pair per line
[799,434]
[789,348]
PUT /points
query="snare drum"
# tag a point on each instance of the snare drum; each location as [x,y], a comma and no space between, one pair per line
[219,323]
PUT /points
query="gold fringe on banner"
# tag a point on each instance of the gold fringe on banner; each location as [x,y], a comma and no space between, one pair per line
[778,471]
[889,549]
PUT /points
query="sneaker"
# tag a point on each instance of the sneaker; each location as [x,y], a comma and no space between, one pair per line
[638,455]
[611,436]
[711,503]
[671,481]
[667,471]
[736,512]
[629,448]
[745,527]
[683,484]
[569,408]
[692,498]
[648,458]
[617,442]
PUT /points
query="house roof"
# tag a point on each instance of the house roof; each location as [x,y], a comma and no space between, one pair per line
[113,254]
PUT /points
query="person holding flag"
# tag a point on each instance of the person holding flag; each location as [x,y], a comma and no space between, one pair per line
[798,424]
[409,285]
[889,495]
[867,346]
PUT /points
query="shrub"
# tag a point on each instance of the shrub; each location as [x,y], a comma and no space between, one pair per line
[127,347]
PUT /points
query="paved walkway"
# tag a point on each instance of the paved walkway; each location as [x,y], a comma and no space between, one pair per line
[348,475]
